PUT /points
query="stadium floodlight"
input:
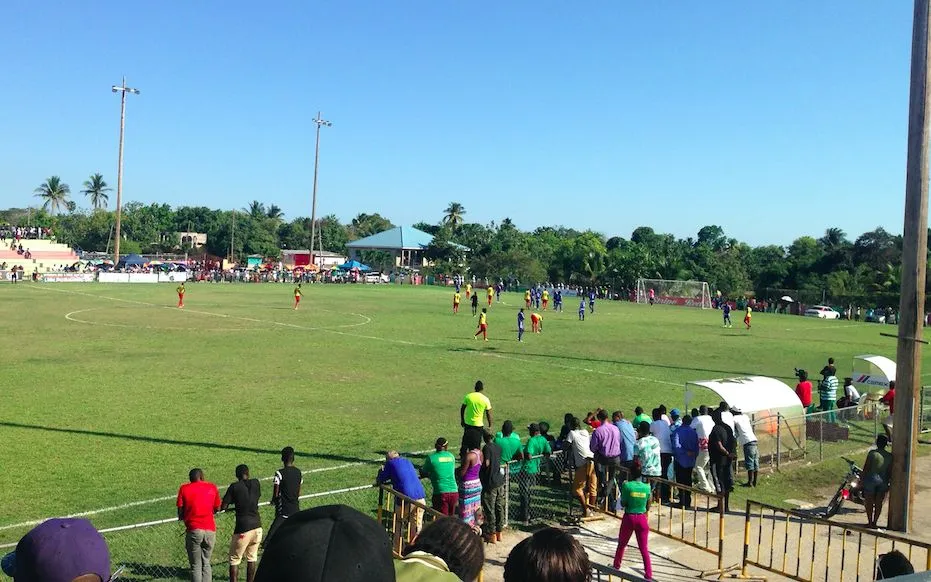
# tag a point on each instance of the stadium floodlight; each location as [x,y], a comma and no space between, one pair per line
[123,90]
[319,122]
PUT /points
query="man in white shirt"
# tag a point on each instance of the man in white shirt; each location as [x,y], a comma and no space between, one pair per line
[726,416]
[746,438]
[702,423]
[582,462]
[659,428]
[851,395]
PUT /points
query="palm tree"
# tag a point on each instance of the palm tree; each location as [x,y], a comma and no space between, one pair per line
[454,213]
[274,212]
[96,189]
[833,238]
[54,194]
[255,209]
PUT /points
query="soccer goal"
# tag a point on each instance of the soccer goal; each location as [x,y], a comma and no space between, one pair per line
[687,293]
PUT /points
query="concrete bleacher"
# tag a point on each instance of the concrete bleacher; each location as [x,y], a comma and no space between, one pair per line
[47,255]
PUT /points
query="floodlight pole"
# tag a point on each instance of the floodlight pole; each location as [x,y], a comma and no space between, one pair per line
[122,90]
[914,262]
[319,121]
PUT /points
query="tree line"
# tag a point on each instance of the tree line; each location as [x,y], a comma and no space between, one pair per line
[865,269]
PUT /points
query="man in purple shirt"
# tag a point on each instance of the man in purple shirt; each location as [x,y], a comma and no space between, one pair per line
[606,445]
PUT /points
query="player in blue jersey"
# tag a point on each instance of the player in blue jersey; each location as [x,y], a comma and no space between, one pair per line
[727,314]
[591,300]
[582,310]
[520,325]
[557,300]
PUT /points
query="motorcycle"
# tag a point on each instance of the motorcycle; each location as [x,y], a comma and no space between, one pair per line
[849,490]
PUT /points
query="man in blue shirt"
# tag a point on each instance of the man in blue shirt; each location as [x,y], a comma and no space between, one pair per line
[582,310]
[685,452]
[404,478]
[557,300]
[591,300]
[726,309]
[520,325]
[628,440]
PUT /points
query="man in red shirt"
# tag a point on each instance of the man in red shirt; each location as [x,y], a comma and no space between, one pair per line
[889,400]
[803,390]
[197,502]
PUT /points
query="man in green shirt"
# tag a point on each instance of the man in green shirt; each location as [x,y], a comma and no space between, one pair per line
[527,478]
[640,416]
[876,472]
[440,468]
[509,442]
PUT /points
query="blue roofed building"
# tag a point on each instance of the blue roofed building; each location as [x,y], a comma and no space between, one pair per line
[406,243]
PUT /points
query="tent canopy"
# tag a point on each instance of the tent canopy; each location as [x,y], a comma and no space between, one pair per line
[396,239]
[872,373]
[750,394]
[132,259]
[354,265]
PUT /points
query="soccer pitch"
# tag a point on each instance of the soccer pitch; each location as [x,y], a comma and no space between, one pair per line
[112,394]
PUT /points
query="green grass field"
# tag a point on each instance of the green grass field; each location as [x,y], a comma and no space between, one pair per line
[111,394]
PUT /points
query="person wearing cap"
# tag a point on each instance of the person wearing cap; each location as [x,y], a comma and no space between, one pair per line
[440,468]
[675,419]
[331,542]
[60,550]
[401,474]
[746,438]
[476,407]
[536,447]
[198,501]
[244,495]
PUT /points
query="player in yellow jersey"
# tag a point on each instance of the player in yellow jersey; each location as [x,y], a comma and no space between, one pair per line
[536,322]
[297,295]
[482,324]
[491,294]
[527,298]
[468,290]
[180,291]
[747,316]
[546,298]
[456,298]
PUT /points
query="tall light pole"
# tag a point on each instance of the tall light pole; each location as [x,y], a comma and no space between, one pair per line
[313,211]
[122,90]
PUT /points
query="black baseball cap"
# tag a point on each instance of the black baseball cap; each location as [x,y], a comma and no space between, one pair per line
[328,543]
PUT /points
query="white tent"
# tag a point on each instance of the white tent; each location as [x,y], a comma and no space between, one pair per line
[872,373]
[773,407]
[750,394]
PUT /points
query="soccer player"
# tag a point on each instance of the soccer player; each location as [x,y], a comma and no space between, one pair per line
[491,294]
[536,322]
[527,296]
[456,298]
[747,316]
[474,303]
[482,324]
[591,300]
[557,300]
[520,325]
[582,310]
[546,299]
[498,287]
[727,314]
[297,295]
[536,297]
[468,290]
[180,291]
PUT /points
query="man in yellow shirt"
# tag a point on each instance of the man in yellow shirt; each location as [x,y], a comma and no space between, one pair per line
[297,295]
[527,298]
[468,290]
[180,291]
[747,316]
[456,298]
[482,324]
[546,299]
[491,294]
[472,414]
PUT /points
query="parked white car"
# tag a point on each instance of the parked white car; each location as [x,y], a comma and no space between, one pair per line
[822,312]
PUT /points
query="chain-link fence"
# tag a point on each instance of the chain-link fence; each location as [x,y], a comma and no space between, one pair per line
[155,550]
[537,489]
[924,418]
[818,435]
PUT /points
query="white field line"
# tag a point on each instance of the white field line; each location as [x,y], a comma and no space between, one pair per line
[175,519]
[170,497]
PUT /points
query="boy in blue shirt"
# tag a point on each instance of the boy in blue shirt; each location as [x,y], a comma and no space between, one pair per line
[520,325]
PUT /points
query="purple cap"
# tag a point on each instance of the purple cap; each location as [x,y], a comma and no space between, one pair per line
[60,550]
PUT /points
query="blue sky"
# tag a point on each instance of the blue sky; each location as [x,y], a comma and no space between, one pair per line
[771,119]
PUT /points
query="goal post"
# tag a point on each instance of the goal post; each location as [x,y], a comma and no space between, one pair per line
[666,292]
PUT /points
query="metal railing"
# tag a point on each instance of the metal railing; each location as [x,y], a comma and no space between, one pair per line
[608,574]
[803,547]
[403,517]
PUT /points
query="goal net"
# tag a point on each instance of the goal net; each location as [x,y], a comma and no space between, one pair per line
[687,293]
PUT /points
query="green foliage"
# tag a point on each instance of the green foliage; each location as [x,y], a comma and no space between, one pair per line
[54,194]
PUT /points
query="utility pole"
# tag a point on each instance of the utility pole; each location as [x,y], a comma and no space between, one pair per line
[319,121]
[232,236]
[914,260]
[122,90]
